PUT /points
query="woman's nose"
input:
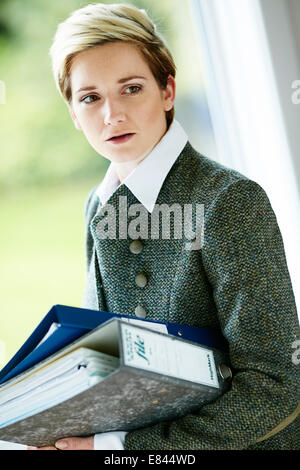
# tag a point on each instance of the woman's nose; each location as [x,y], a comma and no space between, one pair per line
[113,112]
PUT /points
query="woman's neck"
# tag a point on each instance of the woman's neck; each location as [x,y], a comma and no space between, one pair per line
[123,169]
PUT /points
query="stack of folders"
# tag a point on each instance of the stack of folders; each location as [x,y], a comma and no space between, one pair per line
[54,383]
[82,372]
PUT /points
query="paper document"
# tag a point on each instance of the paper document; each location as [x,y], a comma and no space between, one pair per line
[54,326]
[5,445]
[54,383]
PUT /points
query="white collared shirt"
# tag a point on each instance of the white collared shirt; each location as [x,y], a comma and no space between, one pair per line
[146,179]
[145,182]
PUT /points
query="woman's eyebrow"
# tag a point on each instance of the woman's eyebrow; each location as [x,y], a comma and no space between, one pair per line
[126,79]
[122,80]
[87,88]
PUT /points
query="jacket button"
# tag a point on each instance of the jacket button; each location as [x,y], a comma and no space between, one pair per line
[141,280]
[136,247]
[140,312]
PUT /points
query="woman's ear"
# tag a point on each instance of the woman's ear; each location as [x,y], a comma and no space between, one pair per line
[74,118]
[169,93]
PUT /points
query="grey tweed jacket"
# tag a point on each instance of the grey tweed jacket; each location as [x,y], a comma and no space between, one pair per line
[238,283]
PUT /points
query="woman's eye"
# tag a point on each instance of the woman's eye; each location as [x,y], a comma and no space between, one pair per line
[89,99]
[134,88]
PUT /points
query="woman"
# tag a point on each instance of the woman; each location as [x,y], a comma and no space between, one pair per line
[117,77]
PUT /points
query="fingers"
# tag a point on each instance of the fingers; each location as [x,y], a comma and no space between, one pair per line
[76,443]
[69,443]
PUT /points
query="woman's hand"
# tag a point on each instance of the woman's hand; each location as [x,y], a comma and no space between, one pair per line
[69,443]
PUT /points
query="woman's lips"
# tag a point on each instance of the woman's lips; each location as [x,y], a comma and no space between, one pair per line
[120,140]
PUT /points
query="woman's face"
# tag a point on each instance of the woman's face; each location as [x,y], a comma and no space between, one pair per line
[114,93]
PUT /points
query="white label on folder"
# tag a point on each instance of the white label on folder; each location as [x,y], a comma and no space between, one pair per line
[176,358]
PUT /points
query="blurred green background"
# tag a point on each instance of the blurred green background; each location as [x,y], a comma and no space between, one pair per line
[47,167]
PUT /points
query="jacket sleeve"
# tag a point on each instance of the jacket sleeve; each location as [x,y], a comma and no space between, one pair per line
[244,259]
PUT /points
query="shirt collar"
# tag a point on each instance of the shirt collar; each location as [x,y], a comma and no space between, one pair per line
[146,180]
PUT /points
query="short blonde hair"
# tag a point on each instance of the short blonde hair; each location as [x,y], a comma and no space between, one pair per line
[100,23]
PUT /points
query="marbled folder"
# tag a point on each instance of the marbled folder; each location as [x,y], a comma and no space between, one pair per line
[160,377]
